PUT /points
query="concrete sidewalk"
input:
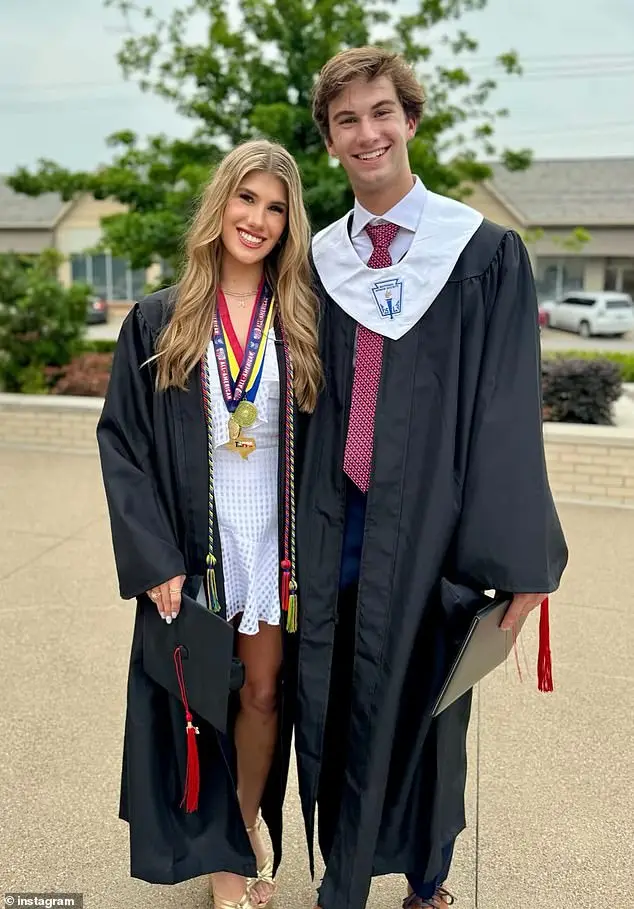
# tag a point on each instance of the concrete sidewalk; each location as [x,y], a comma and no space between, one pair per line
[550,795]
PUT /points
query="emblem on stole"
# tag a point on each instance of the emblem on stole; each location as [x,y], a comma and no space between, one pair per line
[388,295]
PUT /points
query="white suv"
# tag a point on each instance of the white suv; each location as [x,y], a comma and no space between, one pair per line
[589,313]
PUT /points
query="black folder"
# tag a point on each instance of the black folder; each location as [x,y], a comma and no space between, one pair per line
[210,671]
[484,648]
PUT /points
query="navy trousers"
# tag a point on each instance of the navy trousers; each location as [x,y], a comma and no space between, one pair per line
[426,888]
[350,569]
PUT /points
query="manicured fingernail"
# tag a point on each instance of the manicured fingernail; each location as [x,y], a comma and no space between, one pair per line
[174,615]
[168,619]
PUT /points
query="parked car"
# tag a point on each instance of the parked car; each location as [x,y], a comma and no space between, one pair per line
[96,310]
[590,313]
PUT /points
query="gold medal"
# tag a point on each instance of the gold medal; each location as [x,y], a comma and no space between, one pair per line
[245,414]
[244,447]
[234,429]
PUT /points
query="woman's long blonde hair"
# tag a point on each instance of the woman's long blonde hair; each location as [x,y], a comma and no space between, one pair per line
[184,340]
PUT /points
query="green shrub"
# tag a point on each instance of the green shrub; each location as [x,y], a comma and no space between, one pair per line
[41,323]
[580,390]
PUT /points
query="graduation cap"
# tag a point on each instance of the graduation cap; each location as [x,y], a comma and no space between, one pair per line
[192,658]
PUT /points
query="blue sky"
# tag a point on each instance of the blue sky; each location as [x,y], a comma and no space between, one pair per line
[61,91]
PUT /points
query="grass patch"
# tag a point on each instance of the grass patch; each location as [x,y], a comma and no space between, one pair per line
[623,359]
[99,346]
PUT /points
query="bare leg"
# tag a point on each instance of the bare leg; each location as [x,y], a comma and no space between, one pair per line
[256,729]
[255,738]
[256,725]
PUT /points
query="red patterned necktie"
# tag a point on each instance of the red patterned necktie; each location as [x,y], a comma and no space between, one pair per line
[357,460]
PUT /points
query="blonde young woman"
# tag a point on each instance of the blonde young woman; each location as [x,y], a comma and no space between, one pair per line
[197,442]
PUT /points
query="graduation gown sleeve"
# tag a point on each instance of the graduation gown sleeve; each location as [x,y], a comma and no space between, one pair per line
[509,537]
[145,547]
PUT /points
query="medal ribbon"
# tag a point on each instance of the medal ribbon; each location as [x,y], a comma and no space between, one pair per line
[288,581]
[242,382]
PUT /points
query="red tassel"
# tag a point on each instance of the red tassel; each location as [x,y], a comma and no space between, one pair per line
[286,581]
[544,659]
[192,775]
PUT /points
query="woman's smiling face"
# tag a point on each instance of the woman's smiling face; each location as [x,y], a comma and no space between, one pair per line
[255,218]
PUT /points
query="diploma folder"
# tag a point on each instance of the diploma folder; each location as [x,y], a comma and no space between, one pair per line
[210,671]
[484,648]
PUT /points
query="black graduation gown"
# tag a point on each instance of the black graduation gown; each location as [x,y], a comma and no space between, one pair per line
[459,503]
[153,449]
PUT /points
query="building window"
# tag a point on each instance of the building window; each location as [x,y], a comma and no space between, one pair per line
[100,276]
[619,276]
[138,281]
[555,277]
[120,279]
[108,275]
[79,270]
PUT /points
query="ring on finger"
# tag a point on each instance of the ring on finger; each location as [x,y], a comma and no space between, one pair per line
[153,595]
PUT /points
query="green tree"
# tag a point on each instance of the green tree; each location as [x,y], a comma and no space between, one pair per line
[251,75]
[573,242]
[41,323]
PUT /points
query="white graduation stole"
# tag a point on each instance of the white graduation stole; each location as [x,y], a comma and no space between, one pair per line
[390,301]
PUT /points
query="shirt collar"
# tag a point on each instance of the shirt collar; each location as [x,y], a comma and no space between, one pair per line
[406,213]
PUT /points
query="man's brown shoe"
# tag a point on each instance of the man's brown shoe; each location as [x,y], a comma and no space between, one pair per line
[439,900]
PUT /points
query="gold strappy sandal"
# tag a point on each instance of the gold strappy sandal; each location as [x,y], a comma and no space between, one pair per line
[265,870]
[245,901]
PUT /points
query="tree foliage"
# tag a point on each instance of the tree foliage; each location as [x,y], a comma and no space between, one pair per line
[238,74]
[574,242]
[41,323]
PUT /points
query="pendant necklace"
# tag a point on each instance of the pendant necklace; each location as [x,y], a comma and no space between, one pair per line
[241,298]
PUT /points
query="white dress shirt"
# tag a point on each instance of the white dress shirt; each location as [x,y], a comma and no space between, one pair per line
[406,213]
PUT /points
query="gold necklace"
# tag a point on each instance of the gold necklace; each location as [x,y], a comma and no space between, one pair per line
[242,298]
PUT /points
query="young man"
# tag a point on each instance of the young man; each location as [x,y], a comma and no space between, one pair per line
[424,485]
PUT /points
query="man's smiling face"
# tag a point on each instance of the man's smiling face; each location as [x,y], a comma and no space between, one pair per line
[369,132]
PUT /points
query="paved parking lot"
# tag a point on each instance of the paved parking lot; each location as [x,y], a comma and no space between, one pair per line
[108,331]
[554,339]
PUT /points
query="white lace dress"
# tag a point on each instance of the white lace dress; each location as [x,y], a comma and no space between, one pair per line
[246,492]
